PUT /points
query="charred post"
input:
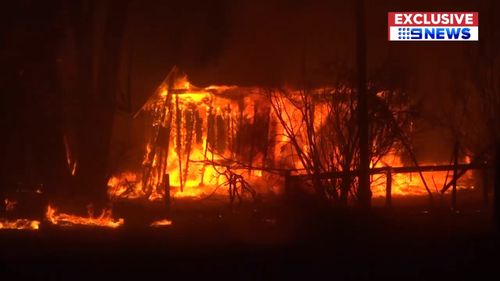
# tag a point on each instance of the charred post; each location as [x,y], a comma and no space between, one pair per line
[485,185]
[497,187]
[166,184]
[388,188]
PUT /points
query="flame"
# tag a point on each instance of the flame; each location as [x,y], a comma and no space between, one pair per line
[161,223]
[221,88]
[65,220]
[410,184]
[20,224]
[188,157]
[190,175]
[182,83]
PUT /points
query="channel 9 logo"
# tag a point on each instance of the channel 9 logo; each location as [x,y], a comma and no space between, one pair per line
[433,26]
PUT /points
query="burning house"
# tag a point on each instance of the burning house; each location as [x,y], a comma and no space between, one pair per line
[243,143]
[200,141]
[249,138]
[230,140]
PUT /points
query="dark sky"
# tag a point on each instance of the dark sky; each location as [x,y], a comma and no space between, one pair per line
[239,42]
[249,42]
[265,42]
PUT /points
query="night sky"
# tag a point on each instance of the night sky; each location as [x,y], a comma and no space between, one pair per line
[247,43]
[267,43]
[262,43]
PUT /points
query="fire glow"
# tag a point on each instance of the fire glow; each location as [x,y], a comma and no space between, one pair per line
[411,184]
[182,145]
[185,156]
[19,224]
[201,161]
[105,219]
[161,223]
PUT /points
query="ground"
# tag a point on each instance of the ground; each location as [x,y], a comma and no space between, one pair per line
[247,244]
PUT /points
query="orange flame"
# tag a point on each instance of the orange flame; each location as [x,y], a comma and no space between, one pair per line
[411,184]
[20,224]
[188,164]
[161,223]
[189,174]
[65,220]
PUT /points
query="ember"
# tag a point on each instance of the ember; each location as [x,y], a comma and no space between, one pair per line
[10,204]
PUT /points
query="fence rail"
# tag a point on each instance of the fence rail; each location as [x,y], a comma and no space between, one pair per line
[458,171]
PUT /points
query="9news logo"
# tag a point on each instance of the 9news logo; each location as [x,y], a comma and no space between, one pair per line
[433,26]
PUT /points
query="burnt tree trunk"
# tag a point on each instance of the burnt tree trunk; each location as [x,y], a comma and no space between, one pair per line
[364,192]
[97,29]
[388,188]
[345,186]
[455,172]
[496,199]
[484,174]
[31,147]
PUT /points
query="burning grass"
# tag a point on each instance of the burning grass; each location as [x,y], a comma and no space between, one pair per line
[20,224]
[105,219]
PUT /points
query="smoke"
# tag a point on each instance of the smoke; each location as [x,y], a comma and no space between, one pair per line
[237,42]
[269,43]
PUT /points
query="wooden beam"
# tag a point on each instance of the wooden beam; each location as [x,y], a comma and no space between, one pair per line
[401,170]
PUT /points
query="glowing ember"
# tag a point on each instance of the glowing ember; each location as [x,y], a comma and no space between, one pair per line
[10,204]
[161,223]
[20,224]
[65,220]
